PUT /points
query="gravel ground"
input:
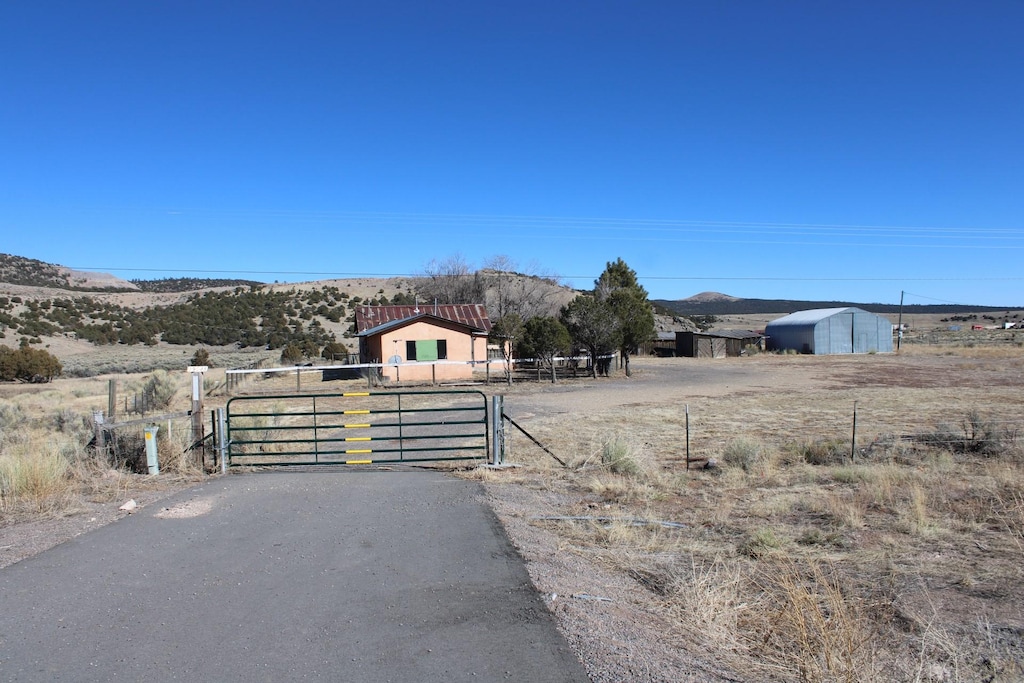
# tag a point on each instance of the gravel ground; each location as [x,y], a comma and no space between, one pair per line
[617,631]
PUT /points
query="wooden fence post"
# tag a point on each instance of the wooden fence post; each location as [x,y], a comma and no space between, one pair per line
[101,441]
[197,408]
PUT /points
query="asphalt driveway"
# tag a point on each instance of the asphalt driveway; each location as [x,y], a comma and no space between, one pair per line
[343,575]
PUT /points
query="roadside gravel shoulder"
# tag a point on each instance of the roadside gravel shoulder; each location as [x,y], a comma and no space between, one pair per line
[616,631]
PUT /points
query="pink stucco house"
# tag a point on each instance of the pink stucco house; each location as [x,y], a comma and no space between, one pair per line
[408,338]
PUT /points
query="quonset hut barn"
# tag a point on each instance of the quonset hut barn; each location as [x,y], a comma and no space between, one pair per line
[830,330]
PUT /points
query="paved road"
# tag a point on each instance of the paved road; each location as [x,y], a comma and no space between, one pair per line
[345,575]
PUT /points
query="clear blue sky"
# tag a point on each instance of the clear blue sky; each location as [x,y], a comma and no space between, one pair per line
[812,150]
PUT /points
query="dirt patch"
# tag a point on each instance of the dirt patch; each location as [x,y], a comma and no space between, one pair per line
[917,553]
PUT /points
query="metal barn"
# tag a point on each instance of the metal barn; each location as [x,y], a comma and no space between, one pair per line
[831,330]
[717,344]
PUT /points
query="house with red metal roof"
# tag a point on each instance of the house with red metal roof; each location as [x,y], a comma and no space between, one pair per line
[434,342]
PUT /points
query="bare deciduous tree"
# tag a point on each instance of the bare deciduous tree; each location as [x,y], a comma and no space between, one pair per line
[450,281]
[511,290]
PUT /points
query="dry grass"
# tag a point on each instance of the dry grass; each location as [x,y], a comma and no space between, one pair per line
[807,626]
[792,560]
[33,476]
[798,562]
[47,465]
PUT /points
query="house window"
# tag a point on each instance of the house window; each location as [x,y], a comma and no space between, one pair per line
[426,349]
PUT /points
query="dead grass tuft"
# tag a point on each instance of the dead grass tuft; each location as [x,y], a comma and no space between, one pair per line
[807,627]
[760,542]
[35,475]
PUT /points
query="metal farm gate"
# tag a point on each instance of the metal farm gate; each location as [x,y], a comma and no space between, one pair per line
[356,428]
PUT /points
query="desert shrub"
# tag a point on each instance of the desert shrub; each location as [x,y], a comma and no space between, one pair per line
[127,450]
[618,456]
[201,357]
[759,543]
[335,351]
[292,353]
[12,418]
[28,365]
[742,453]
[67,421]
[975,435]
[159,389]
[824,451]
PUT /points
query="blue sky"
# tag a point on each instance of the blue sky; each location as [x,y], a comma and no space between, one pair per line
[805,150]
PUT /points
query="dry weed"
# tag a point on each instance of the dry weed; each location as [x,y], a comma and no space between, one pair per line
[174,454]
[760,542]
[704,598]
[34,474]
[913,517]
[806,627]
[613,488]
[845,509]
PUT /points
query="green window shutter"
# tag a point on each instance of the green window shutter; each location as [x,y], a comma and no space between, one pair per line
[426,349]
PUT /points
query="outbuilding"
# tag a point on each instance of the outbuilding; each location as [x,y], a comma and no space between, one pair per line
[438,342]
[717,344]
[823,331]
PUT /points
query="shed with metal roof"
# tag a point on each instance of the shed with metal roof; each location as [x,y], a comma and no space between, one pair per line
[716,344]
[822,331]
[433,342]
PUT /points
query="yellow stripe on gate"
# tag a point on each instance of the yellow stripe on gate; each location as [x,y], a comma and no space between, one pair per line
[365,426]
[358,438]
[358,462]
[358,450]
[355,412]
[357,393]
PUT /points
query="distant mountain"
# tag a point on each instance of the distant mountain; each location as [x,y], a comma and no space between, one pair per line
[18,270]
[713,303]
[710,297]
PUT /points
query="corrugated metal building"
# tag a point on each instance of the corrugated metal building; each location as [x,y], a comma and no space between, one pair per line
[831,330]
[716,344]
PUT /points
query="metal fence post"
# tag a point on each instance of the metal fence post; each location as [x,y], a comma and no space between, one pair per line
[853,439]
[687,436]
[498,430]
[222,439]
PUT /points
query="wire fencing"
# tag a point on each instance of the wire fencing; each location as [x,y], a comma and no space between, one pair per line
[819,436]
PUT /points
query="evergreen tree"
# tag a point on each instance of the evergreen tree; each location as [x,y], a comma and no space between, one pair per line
[593,325]
[545,338]
[618,286]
